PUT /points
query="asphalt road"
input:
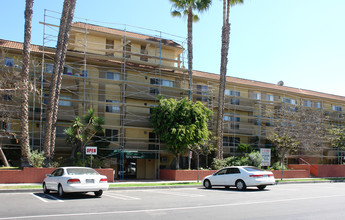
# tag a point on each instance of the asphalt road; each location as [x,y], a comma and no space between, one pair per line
[292,201]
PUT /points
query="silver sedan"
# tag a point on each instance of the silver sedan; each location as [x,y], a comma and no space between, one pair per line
[240,177]
[75,179]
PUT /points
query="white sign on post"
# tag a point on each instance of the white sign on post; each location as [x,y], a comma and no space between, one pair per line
[91,150]
[266,154]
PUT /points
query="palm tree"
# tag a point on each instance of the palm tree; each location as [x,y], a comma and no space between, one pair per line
[24,114]
[224,61]
[188,7]
[55,84]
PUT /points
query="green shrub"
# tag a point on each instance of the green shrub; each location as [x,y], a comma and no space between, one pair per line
[37,158]
[277,166]
[255,159]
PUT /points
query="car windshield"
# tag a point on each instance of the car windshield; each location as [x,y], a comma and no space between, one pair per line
[81,171]
[252,169]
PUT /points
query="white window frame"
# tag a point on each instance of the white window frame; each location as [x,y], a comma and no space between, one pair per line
[48,67]
[307,103]
[230,92]
[9,61]
[112,75]
[269,97]
[112,108]
[66,103]
[337,108]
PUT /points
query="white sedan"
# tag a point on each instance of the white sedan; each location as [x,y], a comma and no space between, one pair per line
[75,179]
[240,177]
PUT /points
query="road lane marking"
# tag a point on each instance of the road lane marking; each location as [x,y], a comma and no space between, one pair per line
[119,196]
[177,194]
[170,209]
[46,195]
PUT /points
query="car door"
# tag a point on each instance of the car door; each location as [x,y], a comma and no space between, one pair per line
[219,177]
[52,182]
[234,174]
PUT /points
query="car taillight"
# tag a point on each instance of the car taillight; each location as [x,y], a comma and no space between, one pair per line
[255,176]
[103,180]
[73,181]
[270,175]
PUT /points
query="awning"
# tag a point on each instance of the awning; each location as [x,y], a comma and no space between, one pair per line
[131,154]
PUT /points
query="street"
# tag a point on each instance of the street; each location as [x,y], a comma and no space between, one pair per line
[284,201]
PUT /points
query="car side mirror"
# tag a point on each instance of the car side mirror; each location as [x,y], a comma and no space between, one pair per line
[48,175]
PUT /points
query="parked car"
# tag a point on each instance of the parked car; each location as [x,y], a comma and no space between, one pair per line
[75,179]
[241,177]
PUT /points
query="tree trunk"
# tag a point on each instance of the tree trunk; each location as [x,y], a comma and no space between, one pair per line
[24,112]
[3,158]
[68,7]
[222,85]
[59,77]
[190,53]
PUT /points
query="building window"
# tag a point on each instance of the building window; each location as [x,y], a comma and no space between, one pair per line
[112,135]
[9,62]
[232,92]
[67,70]
[256,96]
[307,103]
[48,68]
[231,141]
[7,97]
[337,108]
[144,51]
[5,126]
[60,131]
[154,91]
[152,140]
[127,50]
[269,97]
[63,102]
[112,108]
[113,76]
[231,118]
[162,82]
[234,101]
[201,90]
[289,101]
[317,104]
[235,126]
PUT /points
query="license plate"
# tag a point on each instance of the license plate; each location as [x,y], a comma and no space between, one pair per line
[90,181]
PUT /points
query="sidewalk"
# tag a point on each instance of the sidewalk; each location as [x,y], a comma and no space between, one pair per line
[151,184]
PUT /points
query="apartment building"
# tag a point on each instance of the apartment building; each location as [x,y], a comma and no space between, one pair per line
[119,74]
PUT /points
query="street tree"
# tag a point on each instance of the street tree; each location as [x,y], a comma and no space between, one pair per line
[24,109]
[300,127]
[84,131]
[189,8]
[180,124]
[336,139]
[223,69]
[56,80]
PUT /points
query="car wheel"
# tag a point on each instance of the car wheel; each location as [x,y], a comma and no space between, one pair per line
[262,187]
[60,191]
[98,193]
[240,185]
[45,190]
[207,184]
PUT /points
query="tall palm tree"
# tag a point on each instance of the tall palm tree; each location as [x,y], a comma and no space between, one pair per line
[224,62]
[188,8]
[24,114]
[55,84]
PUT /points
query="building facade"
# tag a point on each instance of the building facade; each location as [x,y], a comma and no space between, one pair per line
[119,74]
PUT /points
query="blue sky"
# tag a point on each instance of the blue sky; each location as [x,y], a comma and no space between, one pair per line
[301,42]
